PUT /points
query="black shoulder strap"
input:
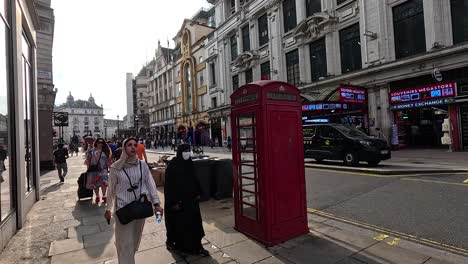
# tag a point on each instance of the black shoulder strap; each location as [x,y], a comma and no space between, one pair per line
[141,178]
[131,185]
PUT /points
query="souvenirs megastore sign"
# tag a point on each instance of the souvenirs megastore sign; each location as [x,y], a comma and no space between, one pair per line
[433,92]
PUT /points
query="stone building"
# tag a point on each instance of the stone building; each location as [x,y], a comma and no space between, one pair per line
[192,120]
[378,48]
[19,138]
[85,118]
[162,95]
[45,81]
[112,128]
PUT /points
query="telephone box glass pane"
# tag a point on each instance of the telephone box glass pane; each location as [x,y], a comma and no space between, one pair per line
[248,166]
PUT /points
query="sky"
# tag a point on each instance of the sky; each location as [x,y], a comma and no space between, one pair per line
[96,42]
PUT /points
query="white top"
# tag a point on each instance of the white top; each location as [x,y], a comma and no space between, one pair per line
[118,186]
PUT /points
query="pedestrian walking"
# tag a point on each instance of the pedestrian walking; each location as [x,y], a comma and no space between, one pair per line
[141,151]
[182,194]
[118,152]
[229,143]
[129,176]
[60,159]
[98,160]
[3,157]
[173,146]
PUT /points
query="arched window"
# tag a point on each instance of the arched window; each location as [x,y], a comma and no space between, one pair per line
[188,87]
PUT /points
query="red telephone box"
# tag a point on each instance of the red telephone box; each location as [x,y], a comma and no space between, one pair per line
[268,162]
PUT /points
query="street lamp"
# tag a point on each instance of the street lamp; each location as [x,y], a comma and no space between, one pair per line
[118,121]
[136,119]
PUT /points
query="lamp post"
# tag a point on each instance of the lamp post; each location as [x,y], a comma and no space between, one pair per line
[118,121]
[136,119]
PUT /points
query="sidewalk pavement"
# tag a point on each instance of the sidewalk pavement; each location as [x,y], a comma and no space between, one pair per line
[62,230]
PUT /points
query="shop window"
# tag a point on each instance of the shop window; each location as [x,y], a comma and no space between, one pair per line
[6,176]
[235,82]
[27,115]
[245,38]
[213,73]
[318,59]
[249,76]
[214,102]
[459,20]
[289,15]
[408,23]
[350,49]
[313,6]
[265,71]
[292,67]
[234,53]
[263,30]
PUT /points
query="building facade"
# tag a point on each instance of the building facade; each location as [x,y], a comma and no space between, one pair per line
[162,99]
[19,140]
[112,127]
[409,58]
[141,106]
[85,118]
[45,82]
[131,100]
[192,120]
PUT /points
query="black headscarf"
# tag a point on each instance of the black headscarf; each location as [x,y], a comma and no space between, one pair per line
[181,182]
[182,148]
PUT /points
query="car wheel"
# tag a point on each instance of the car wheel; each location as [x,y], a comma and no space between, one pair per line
[319,160]
[373,163]
[351,159]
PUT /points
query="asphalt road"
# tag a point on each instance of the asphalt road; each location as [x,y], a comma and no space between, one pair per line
[433,207]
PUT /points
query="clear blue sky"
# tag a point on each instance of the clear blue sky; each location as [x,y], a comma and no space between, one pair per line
[98,41]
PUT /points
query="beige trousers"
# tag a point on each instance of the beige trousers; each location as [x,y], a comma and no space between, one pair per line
[127,239]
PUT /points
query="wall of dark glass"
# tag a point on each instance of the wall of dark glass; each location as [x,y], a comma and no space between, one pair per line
[313,6]
[265,72]
[263,30]
[6,175]
[249,76]
[289,15]
[234,53]
[235,82]
[459,20]
[350,49]
[292,67]
[245,38]
[318,59]
[408,26]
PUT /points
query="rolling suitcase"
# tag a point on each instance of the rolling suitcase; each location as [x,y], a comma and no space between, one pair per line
[83,192]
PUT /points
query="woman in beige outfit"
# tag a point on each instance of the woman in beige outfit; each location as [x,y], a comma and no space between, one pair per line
[120,193]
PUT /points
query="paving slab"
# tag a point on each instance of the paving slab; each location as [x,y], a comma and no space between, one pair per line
[64,246]
[214,258]
[152,240]
[247,252]
[315,250]
[226,237]
[157,256]
[89,255]
[384,253]
[98,239]
[80,231]
[274,260]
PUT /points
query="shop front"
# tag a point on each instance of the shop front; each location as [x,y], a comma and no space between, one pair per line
[345,105]
[219,125]
[425,116]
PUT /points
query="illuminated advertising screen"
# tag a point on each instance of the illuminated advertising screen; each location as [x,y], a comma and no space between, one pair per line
[324,106]
[424,93]
[351,94]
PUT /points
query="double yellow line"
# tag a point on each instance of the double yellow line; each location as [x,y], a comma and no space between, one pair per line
[423,241]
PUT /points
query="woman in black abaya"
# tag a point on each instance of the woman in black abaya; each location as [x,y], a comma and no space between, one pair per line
[183,218]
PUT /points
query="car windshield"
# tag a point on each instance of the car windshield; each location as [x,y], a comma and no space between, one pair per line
[350,131]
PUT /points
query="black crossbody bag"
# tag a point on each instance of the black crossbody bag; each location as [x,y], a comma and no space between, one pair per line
[94,168]
[138,209]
